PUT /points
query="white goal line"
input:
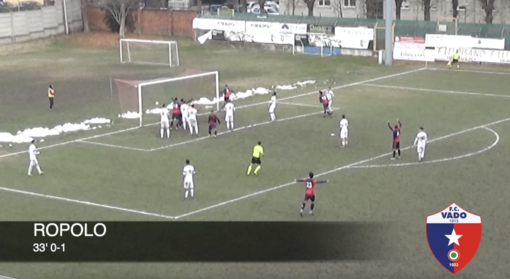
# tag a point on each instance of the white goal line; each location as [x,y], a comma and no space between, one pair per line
[244,106]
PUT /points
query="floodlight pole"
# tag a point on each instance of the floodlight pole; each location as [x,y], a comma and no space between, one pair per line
[388,33]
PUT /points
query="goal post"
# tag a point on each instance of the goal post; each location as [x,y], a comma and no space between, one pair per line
[152,52]
[142,100]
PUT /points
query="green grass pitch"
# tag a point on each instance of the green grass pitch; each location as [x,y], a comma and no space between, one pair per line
[126,174]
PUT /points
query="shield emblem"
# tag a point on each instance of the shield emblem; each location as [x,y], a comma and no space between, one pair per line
[454,235]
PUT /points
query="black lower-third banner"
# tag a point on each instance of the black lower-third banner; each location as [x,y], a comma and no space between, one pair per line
[192,241]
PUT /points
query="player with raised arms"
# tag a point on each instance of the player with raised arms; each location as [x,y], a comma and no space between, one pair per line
[420,142]
[258,152]
[325,103]
[32,154]
[272,107]
[193,123]
[184,113]
[187,180]
[229,115]
[165,122]
[310,183]
[344,131]
[396,138]
[214,121]
[176,111]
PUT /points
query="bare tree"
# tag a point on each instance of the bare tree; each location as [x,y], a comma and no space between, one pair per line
[426,10]
[85,16]
[488,7]
[371,8]
[262,8]
[337,7]
[292,5]
[398,8]
[310,4]
[455,8]
[119,10]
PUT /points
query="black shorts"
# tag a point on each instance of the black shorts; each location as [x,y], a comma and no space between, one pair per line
[175,116]
[310,198]
[454,61]
[226,99]
[212,126]
[396,145]
[255,160]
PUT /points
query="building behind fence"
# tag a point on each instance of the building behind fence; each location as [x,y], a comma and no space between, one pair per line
[19,25]
[400,27]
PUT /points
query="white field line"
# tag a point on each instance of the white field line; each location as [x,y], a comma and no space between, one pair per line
[470,71]
[245,106]
[435,90]
[113,145]
[438,160]
[38,195]
[328,172]
[302,105]
[235,130]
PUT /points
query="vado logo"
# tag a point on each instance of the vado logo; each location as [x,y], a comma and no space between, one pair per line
[454,235]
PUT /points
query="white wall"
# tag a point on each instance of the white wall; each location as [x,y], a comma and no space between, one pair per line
[49,21]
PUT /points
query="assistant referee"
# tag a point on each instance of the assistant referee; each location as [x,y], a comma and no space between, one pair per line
[51,96]
[258,151]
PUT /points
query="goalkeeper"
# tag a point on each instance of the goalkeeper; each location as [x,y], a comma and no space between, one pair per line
[455,60]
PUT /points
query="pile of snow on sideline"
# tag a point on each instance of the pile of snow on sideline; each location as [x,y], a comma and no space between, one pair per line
[236,96]
[28,135]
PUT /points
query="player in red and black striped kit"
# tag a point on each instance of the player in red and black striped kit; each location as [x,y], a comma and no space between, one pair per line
[214,121]
[396,138]
[176,113]
[309,192]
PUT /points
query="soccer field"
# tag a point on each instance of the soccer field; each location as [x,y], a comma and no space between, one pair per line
[126,174]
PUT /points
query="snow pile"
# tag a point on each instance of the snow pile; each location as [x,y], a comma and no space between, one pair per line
[130,115]
[30,134]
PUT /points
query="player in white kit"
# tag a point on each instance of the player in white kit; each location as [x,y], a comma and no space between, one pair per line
[187,180]
[420,142]
[184,114]
[192,118]
[165,121]
[32,153]
[344,131]
[272,107]
[330,95]
[229,115]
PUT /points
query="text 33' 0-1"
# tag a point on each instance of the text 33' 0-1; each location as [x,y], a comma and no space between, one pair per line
[50,247]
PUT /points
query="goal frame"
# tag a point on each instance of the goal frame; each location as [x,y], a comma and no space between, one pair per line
[322,54]
[169,44]
[160,81]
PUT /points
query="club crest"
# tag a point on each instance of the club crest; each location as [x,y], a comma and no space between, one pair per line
[454,235]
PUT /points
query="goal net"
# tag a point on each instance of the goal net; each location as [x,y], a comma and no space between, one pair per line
[143,99]
[315,43]
[150,52]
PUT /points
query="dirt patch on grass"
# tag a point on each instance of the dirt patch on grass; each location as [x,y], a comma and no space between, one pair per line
[25,47]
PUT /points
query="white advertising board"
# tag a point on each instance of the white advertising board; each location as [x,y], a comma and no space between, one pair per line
[436,40]
[354,37]
[218,24]
[473,55]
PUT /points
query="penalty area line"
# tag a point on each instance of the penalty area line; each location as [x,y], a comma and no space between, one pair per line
[113,145]
[328,172]
[244,106]
[496,141]
[302,105]
[93,204]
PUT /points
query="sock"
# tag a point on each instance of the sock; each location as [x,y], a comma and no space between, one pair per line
[30,169]
[172,123]
[232,124]
[257,169]
[209,132]
[184,125]
[192,192]
[168,132]
[186,194]
[312,206]
[215,133]
[303,206]
[399,153]
[39,169]
[394,153]
[228,125]
[273,117]
[161,132]
[249,170]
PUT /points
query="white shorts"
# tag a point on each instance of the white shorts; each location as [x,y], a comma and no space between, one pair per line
[165,124]
[34,162]
[188,185]
[185,119]
[344,133]
[229,117]
[272,109]
[192,121]
[420,148]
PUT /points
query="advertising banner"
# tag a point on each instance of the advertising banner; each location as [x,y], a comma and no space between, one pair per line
[354,37]
[435,40]
[218,24]
[316,28]
[474,55]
